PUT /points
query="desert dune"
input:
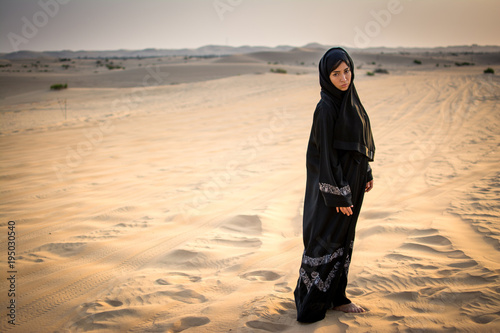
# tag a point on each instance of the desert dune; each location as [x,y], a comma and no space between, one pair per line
[167,197]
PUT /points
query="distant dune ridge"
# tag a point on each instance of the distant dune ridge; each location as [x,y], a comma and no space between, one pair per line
[166,195]
[223,50]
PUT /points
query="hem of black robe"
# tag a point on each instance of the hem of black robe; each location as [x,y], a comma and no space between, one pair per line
[315,295]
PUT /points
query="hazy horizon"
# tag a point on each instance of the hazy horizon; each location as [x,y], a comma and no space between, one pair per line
[256,46]
[54,25]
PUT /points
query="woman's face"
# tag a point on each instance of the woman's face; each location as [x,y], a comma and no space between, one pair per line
[341,77]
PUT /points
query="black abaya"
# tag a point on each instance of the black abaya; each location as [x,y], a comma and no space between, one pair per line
[335,178]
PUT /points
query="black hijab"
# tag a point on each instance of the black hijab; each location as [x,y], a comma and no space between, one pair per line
[352,129]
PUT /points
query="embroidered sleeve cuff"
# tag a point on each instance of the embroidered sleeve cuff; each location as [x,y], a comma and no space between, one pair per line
[335,196]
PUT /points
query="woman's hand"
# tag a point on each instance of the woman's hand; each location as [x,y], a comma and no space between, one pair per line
[345,210]
[369,186]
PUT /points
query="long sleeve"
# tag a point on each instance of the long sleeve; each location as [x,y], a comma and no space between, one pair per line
[369,173]
[332,184]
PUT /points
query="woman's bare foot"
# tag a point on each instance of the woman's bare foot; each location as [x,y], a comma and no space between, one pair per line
[349,308]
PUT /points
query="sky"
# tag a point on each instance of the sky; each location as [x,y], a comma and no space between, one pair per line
[52,25]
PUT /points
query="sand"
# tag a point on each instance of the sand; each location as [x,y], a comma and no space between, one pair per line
[166,207]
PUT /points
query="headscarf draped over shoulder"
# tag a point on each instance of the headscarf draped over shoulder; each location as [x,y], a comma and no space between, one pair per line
[352,129]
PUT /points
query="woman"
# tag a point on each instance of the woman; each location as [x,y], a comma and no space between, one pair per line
[338,174]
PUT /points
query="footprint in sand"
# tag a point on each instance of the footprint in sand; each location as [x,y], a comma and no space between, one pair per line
[394,318]
[178,293]
[162,282]
[115,230]
[32,257]
[266,326]
[180,278]
[261,276]
[62,249]
[269,313]
[245,224]
[377,214]
[231,241]
[102,304]
[103,315]
[282,287]
[186,323]
[186,296]
[184,259]
[106,320]
[114,303]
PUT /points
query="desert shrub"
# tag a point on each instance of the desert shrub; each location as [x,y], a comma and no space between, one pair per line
[381,71]
[489,70]
[65,66]
[278,70]
[464,63]
[370,73]
[111,66]
[59,86]
[418,62]
[5,65]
